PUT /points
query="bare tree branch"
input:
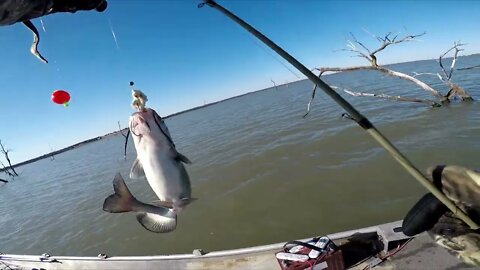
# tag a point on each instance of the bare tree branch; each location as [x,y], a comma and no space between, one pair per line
[5,153]
[359,43]
[386,41]
[4,181]
[374,36]
[416,74]
[352,48]
[342,69]
[391,39]
[448,75]
[455,90]
[389,72]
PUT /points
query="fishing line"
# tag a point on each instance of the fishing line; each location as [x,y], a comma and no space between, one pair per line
[113,33]
[272,55]
[43,26]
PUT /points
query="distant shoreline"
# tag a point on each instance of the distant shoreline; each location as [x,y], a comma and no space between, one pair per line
[71,147]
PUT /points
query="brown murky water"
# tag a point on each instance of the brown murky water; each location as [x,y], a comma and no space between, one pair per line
[261,172]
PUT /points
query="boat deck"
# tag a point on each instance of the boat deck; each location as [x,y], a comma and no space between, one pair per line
[419,253]
[422,253]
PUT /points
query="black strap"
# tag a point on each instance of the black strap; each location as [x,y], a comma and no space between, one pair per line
[155,116]
[295,242]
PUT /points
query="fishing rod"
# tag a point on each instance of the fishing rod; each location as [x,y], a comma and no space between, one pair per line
[361,120]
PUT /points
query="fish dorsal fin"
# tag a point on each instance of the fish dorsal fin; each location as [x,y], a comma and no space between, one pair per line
[137,171]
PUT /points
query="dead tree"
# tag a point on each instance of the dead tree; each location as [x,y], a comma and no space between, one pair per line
[5,170]
[5,154]
[126,140]
[446,76]
[274,84]
[360,50]
[52,155]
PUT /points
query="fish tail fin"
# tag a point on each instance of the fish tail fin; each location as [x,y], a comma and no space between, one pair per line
[156,219]
[158,223]
[122,200]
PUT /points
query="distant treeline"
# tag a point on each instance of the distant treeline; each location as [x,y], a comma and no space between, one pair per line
[58,151]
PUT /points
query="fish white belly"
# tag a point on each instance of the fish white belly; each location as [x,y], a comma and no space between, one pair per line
[163,176]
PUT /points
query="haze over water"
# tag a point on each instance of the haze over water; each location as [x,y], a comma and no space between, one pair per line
[262,173]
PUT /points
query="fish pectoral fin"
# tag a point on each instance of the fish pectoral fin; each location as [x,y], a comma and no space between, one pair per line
[137,171]
[122,200]
[181,158]
[157,223]
[163,203]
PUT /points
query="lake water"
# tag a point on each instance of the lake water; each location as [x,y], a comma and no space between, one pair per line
[262,173]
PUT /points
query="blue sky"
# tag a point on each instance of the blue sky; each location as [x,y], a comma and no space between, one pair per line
[182,56]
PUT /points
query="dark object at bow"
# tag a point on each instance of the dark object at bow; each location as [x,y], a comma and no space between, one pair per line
[462,186]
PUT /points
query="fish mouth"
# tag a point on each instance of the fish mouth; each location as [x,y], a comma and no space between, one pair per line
[137,120]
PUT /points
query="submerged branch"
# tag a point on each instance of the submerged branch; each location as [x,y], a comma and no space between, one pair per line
[455,90]
[361,50]
[395,98]
[389,72]
[4,181]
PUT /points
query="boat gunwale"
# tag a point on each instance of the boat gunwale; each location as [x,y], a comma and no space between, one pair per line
[213,254]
